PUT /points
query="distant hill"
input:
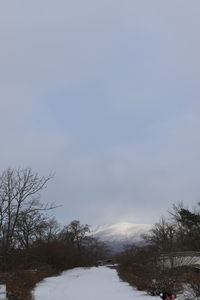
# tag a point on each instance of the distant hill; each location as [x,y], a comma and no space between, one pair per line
[119,234]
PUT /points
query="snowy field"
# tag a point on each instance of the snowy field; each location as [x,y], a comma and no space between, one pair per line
[100,283]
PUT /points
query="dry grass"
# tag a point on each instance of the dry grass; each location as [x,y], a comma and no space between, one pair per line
[20,282]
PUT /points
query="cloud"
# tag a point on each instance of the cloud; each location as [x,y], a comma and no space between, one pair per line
[106,95]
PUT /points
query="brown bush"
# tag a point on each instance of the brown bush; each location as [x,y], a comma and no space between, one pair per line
[141,268]
[193,281]
[20,282]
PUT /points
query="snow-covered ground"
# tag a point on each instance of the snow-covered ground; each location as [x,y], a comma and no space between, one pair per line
[100,283]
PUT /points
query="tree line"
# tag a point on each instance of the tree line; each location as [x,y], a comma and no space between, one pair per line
[164,263]
[179,232]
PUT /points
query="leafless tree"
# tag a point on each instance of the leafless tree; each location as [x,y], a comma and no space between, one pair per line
[163,236]
[96,248]
[75,232]
[19,197]
[35,227]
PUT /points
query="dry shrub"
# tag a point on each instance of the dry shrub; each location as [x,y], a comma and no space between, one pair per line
[56,254]
[193,284]
[19,285]
[140,266]
[61,255]
[20,282]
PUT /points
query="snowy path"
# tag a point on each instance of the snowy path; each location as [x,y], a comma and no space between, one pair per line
[100,283]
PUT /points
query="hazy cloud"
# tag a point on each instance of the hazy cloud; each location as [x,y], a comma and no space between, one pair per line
[106,94]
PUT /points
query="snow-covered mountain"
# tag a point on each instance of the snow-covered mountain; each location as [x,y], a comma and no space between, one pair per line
[120,234]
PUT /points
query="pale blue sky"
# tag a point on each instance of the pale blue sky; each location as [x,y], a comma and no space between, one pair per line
[106,94]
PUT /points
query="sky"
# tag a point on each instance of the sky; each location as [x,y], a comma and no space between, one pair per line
[106,95]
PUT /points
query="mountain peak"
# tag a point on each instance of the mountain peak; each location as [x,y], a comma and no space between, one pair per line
[121,232]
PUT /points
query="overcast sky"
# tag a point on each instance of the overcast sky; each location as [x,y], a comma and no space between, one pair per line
[106,94]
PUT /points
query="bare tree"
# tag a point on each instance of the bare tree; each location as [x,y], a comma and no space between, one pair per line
[163,236]
[35,227]
[19,193]
[96,248]
[75,232]
[52,230]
